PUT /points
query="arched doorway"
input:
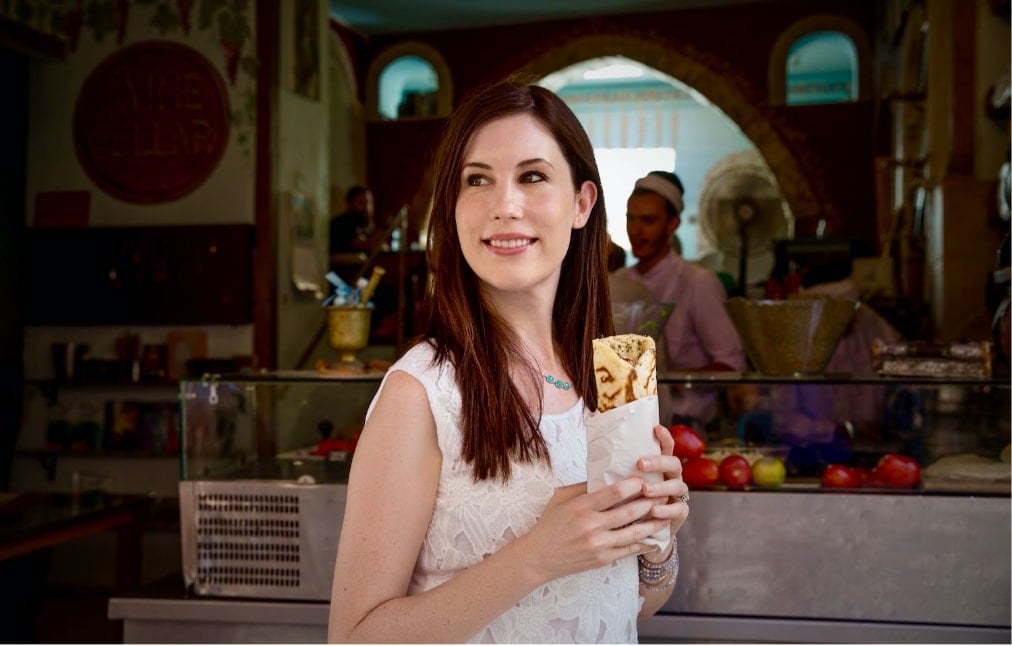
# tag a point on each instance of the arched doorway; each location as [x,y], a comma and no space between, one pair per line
[719,88]
[640,120]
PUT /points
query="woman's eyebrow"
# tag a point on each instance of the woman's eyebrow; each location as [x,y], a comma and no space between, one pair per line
[535,160]
[526,162]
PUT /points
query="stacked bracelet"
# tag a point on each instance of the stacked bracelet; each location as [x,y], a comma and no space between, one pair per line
[657,577]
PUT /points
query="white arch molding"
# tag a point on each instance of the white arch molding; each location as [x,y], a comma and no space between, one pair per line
[347,150]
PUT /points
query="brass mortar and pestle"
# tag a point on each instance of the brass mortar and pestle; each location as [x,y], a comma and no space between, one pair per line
[348,326]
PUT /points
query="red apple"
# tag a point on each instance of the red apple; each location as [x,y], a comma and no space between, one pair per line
[898,471]
[700,473]
[688,443]
[735,472]
[838,476]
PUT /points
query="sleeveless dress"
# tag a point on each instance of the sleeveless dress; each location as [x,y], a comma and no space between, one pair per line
[473,520]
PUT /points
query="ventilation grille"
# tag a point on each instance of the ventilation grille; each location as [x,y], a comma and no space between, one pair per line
[248,540]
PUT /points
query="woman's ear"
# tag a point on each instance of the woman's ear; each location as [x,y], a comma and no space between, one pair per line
[585,201]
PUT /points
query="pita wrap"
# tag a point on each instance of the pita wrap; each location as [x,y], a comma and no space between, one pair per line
[626,369]
[622,431]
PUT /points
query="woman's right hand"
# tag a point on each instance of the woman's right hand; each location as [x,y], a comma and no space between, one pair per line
[581,531]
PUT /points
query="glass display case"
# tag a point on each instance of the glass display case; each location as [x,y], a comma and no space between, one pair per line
[263,469]
[957,429]
[302,426]
[266,457]
[273,426]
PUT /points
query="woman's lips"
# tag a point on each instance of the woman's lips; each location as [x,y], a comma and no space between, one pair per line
[509,246]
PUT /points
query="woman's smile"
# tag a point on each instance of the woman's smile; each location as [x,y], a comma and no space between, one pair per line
[509,245]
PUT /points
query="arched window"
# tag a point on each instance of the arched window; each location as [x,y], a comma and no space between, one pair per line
[408,80]
[820,59]
[822,67]
[408,87]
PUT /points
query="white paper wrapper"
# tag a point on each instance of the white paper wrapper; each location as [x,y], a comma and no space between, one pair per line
[616,439]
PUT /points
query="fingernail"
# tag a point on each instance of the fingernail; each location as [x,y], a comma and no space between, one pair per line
[646,464]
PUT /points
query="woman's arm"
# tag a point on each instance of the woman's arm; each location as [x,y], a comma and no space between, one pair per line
[391,493]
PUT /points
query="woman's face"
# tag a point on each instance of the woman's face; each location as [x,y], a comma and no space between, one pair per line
[517,206]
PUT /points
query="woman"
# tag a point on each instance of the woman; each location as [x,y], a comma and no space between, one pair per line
[468,516]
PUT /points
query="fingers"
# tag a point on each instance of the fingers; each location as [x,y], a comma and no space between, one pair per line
[636,533]
[615,494]
[632,523]
[670,491]
[663,436]
[628,513]
[622,504]
[674,509]
[592,529]
[613,521]
[668,465]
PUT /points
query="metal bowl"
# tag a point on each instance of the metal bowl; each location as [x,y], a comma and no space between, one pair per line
[794,336]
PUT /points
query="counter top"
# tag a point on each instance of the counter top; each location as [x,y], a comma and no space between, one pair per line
[164,613]
[755,566]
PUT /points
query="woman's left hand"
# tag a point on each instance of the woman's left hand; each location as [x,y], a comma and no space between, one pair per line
[672,492]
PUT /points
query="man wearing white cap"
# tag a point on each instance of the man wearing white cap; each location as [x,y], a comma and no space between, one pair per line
[699,335]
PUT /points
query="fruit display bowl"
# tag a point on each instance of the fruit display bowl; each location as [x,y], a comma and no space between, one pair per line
[794,336]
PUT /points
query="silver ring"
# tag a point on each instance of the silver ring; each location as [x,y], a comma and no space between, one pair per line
[684,498]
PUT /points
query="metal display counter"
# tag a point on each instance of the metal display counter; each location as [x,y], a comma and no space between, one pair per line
[188,621]
[787,565]
[794,563]
[755,566]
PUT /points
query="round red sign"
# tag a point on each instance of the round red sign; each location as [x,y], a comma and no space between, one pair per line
[151,122]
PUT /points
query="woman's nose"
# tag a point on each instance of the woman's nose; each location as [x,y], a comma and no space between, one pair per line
[508,202]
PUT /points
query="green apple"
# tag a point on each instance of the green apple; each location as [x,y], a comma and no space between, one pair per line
[769,471]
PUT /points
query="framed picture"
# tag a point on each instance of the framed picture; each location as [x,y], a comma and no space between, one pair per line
[306,270]
[302,212]
[306,49]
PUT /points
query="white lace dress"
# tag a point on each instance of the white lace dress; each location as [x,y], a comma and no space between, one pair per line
[473,520]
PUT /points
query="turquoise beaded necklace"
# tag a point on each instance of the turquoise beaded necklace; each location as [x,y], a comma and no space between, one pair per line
[558,383]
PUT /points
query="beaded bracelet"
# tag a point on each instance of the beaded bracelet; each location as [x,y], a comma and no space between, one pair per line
[657,577]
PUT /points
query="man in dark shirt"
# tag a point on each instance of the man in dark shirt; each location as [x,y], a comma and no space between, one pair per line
[350,231]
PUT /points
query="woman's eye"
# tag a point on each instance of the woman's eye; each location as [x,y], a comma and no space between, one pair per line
[531,177]
[475,180]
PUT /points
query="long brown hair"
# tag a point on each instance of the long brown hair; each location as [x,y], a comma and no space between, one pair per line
[497,424]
